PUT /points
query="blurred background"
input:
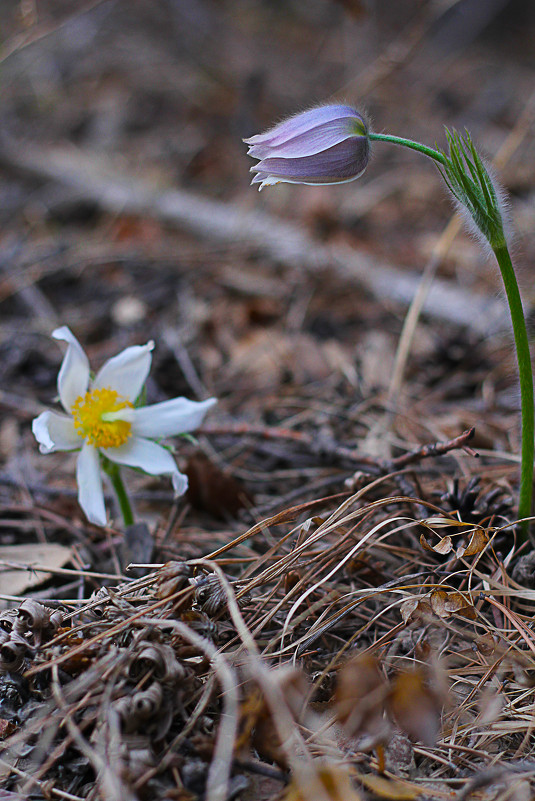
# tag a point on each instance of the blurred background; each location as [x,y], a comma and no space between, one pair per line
[126,213]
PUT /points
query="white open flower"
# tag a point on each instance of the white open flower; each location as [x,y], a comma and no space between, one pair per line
[100,417]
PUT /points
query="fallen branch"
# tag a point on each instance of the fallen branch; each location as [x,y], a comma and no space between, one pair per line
[94,180]
[332,451]
[435,449]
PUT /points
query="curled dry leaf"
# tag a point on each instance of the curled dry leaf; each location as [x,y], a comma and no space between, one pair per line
[415,707]
[487,643]
[360,697]
[156,660]
[439,602]
[12,654]
[478,538]
[142,710]
[23,631]
[443,522]
[443,546]
[7,619]
[173,578]
[416,610]
[478,542]
[444,604]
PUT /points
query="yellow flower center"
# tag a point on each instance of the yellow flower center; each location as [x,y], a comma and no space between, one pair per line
[97,418]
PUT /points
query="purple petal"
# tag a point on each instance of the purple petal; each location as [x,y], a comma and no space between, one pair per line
[343,162]
[301,123]
[309,143]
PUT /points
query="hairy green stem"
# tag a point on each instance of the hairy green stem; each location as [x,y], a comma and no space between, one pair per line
[398,140]
[114,473]
[470,185]
[525,371]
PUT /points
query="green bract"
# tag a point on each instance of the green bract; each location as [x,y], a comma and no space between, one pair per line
[470,183]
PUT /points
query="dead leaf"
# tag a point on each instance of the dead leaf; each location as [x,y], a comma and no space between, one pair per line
[486,643]
[438,599]
[478,539]
[141,230]
[422,650]
[414,609]
[443,522]
[444,604]
[360,697]
[477,543]
[443,546]
[415,707]
[334,785]
[213,491]
[257,728]
[15,581]
[396,789]
[439,602]
[251,710]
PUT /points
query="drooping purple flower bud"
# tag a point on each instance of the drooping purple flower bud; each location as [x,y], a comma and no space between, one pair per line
[325,145]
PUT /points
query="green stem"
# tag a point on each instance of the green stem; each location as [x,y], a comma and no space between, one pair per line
[398,140]
[525,371]
[114,472]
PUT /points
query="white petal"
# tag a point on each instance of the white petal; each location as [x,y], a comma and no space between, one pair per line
[127,372]
[73,376]
[150,457]
[169,418]
[90,494]
[55,432]
[180,482]
[267,180]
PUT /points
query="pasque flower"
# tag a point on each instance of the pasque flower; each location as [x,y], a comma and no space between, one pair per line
[100,420]
[325,145]
[331,144]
